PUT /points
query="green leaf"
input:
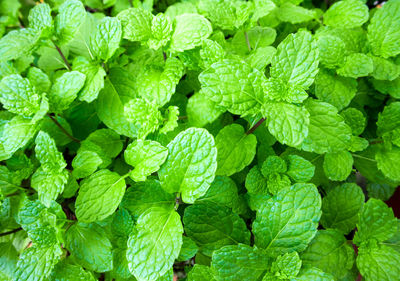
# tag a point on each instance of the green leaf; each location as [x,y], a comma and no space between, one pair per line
[239,262]
[336,90]
[330,252]
[157,84]
[235,85]
[46,152]
[188,250]
[64,271]
[282,224]
[201,273]
[19,96]
[378,263]
[356,65]
[299,169]
[18,43]
[104,41]
[36,263]
[110,104]
[376,221]
[383,33]
[39,79]
[8,259]
[191,164]
[65,90]
[146,156]
[341,206]
[145,195]
[385,158]
[99,196]
[327,131]
[332,50]
[224,191]
[136,24]
[236,149]
[161,29]
[312,273]
[94,81]
[85,163]
[212,226]
[287,265]
[289,12]
[347,14]
[256,183]
[71,15]
[89,245]
[288,123]
[272,165]
[170,120]
[384,69]
[155,243]
[387,119]
[338,165]
[278,90]
[296,60]
[40,19]
[355,119]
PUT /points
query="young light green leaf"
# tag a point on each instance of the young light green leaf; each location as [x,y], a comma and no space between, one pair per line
[99,196]
[235,149]
[347,14]
[146,156]
[355,119]
[64,271]
[383,33]
[65,90]
[287,265]
[155,243]
[299,169]
[338,165]
[46,152]
[289,12]
[19,96]
[224,191]
[40,19]
[288,123]
[341,206]
[90,246]
[332,50]
[212,226]
[278,226]
[312,273]
[8,260]
[356,65]
[37,262]
[105,40]
[161,29]
[296,60]
[201,273]
[85,163]
[18,43]
[330,252]
[136,24]
[39,79]
[71,14]
[239,262]
[171,119]
[376,221]
[235,85]
[384,69]
[201,110]
[191,164]
[190,31]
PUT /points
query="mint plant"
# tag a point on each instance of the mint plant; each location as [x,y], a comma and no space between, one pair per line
[215,140]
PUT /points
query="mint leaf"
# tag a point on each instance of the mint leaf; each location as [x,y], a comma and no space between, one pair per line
[287,265]
[192,156]
[146,156]
[85,163]
[18,43]
[338,165]
[188,250]
[225,227]
[287,64]
[71,15]
[239,262]
[278,227]
[89,245]
[346,13]
[201,273]
[289,12]
[236,149]
[40,18]
[103,188]
[356,65]
[341,206]
[162,230]
[136,24]
[299,169]
[385,158]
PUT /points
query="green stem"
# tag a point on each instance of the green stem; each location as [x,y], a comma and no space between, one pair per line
[362,157]
[247,41]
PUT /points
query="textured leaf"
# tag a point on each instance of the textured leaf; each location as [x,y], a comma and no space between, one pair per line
[90,246]
[144,195]
[356,65]
[105,40]
[327,131]
[296,60]
[154,246]
[332,50]
[19,96]
[287,265]
[239,262]
[188,250]
[341,206]
[289,12]
[146,156]
[346,13]
[136,24]
[191,164]
[161,29]
[385,159]
[224,191]
[8,259]
[235,149]
[376,221]
[99,196]
[299,169]
[384,69]
[338,165]
[40,18]
[312,273]
[280,228]
[201,110]
[201,273]
[234,85]
[288,123]
[383,31]
[36,263]
[71,15]
[330,252]
[355,119]
[47,154]
[18,43]
[64,271]
[212,226]
[85,163]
